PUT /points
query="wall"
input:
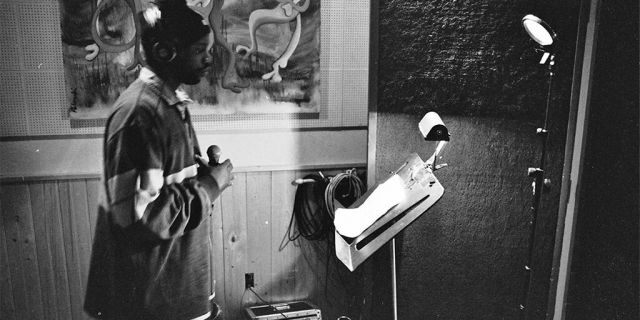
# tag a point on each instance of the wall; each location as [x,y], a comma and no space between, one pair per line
[47,229]
[33,94]
[473,63]
[50,168]
[603,281]
[465,257]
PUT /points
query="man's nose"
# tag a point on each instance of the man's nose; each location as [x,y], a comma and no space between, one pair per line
[208,58]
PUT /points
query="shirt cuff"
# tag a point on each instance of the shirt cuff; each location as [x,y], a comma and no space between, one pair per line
[210,185]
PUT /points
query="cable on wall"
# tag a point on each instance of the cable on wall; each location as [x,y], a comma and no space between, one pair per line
[345,188]
[315,202]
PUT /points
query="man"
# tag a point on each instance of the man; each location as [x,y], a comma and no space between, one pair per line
[151,257]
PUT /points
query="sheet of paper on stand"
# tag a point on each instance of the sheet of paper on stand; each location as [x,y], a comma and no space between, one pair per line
[352,222]
[420,190]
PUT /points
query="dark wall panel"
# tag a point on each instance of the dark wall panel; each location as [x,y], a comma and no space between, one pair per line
[470,58]
[464,258]
[472,62]
[604,273]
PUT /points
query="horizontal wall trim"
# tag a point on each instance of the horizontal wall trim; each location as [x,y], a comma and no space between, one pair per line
[227,131]
[248,151]
[18,180]
[27,179]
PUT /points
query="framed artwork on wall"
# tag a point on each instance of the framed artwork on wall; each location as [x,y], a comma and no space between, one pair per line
[266,52]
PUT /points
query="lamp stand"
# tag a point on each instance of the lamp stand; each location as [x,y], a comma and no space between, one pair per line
[394,285]
[539,185]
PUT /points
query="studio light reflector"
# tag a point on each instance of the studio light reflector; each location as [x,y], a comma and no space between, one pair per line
[538,30]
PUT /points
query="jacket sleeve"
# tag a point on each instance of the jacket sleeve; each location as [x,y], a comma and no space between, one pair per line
[157,204]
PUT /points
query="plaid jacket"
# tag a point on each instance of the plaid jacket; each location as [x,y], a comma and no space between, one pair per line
[151,256]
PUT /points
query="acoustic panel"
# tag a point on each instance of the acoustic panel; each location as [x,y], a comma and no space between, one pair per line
[39,26]
[355,44]
[9,42]
[354,94]
[331,35]
[12,105]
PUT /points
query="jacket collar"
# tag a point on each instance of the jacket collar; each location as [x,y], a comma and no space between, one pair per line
[178,98]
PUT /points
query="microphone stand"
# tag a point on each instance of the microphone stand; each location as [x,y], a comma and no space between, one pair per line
[539,184]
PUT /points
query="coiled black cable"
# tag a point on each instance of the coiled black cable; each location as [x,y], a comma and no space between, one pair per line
[345,188]
[314,205]
[309,210]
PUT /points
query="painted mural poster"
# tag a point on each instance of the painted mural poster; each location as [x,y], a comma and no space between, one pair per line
[266,52]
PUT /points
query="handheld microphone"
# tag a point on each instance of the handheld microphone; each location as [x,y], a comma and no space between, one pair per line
[213,152]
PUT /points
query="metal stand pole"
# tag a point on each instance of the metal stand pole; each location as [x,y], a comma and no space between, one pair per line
[394,292]
[538,185]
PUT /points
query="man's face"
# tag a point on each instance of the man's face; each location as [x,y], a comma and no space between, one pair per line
[193,62]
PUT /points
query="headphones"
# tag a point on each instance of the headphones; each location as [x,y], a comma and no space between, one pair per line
[163,52]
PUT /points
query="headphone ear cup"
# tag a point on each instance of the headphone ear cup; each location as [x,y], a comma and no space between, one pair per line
[163,52]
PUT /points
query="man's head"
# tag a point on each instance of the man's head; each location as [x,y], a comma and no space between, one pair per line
[176,41]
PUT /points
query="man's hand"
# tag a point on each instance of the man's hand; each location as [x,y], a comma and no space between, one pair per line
[220,172]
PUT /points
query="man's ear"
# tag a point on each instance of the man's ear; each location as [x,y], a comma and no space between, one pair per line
[163,52]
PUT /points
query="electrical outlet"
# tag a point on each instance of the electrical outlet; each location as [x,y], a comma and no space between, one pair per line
[248,280]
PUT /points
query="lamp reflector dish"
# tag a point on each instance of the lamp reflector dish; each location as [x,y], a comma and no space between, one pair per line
[538,30]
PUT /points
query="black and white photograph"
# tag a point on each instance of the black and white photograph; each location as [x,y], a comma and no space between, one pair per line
[319,159]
